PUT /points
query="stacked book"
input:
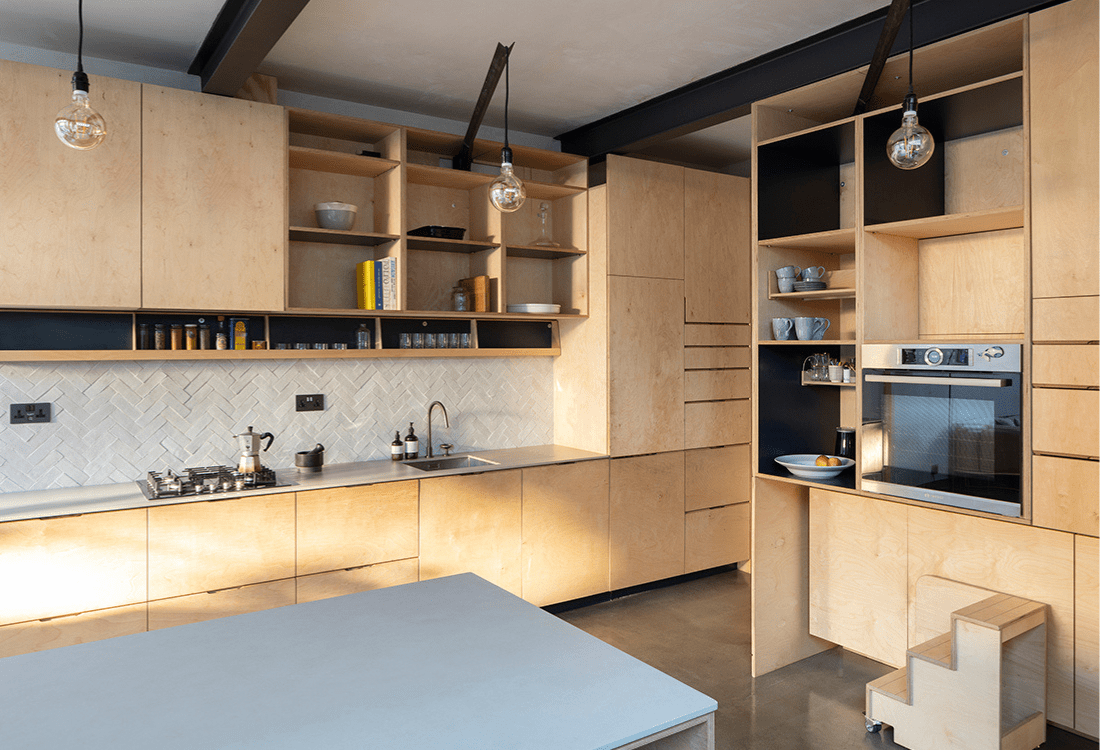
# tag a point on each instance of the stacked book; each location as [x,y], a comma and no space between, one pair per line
[376,284]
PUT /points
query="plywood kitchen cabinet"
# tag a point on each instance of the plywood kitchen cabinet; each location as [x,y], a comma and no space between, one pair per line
[70,221]
[69,630]
[471,523]
[64,566]
[565,531]
[209,546]
[858,579]
[1064,494]
[210,605]
[214,223]
[1065,117]
[1087,635]
[717,248]
[647,518]
[645,208]
[1066,422]
[717,476]
[646,373]
[351,527]
[716,536]
[367,578]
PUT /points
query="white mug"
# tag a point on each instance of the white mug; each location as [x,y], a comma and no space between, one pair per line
[781,329]
[813,273]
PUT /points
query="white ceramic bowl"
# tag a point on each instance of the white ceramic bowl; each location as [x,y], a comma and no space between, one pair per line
[802,465]
[335,215]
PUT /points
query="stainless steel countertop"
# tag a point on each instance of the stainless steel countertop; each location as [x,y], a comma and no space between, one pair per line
[19,506]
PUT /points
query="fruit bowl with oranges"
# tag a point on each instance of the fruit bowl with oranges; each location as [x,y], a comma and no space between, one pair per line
[814,465]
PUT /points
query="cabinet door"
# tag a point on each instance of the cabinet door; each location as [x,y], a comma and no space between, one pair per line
[1065,117]
[206,546]
[858,574]
[62,566]
[1087,637]
[717,247]
[565,527]
[184,610]
[370,577]
[716,536]
[214,226]
[1064,493]
[646,357]
[647,519]
[70,221]
[1066,422]
[471,524]
[350,527]
[645,218]
[40,635]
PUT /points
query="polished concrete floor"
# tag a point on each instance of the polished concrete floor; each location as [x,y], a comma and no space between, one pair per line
[698,632]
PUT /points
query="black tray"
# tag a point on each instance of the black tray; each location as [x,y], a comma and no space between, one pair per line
[434,230]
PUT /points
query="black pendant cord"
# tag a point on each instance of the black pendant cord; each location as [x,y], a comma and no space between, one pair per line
[80,43]
[911,48]
[507,88]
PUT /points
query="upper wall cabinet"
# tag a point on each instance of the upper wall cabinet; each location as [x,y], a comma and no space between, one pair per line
[214,228]
[717,247]
[70,221]
[646,218]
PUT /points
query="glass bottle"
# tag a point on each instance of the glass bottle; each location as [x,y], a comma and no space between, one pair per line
[412,444]
[143,336]
[397,447]
[362,337]
[460,300]
[221,337]
[544,239]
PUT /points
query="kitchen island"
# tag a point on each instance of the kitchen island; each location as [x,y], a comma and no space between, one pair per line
[452,662]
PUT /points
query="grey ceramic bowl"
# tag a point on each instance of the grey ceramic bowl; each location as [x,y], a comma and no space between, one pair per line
[335,215]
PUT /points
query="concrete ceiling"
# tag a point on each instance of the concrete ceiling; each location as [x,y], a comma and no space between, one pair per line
[575,61]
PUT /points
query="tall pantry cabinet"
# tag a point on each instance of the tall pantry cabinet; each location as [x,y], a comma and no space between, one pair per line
[635,381]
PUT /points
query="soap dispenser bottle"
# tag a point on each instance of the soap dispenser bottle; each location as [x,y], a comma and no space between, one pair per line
[397,447]
[412,444]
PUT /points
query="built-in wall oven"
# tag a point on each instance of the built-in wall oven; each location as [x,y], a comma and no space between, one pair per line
[941,423]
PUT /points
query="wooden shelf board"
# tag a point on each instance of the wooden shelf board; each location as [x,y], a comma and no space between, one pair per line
[807,381]
[846,479]
[440,245]
[339,237]
[421,174]
[549,191]
[430,314]
[816,342]
[343,127]
[338,162]
[838,241]
[1011,217]
[488,152]
[545,253]
[260,354]
[838,293]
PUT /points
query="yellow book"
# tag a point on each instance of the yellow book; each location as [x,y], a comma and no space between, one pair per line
[364,284]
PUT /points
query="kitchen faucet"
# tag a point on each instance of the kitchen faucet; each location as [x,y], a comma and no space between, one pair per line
[431,408]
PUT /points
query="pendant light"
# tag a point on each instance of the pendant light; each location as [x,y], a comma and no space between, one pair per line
[507,192]
[911,145]
[78,125]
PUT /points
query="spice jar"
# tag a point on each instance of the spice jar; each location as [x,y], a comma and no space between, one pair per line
[176,336]
[158,336]
[460,300]
[190,336]
[143,336]
[204,337]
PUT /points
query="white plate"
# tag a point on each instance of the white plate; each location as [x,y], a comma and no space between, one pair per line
[541,309]
[802,465]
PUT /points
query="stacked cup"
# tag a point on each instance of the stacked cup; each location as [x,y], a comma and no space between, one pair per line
[786,276]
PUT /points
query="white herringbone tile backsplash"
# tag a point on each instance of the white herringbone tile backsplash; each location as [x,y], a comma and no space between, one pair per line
[114,421]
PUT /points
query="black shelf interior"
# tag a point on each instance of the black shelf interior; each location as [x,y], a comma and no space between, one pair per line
[292,330]
[894,194]
[392,328]
[40,331]
[798,186]
[255,325]
[796,418]
[514,334]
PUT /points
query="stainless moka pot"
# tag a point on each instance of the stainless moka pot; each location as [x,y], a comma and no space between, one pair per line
[249,462]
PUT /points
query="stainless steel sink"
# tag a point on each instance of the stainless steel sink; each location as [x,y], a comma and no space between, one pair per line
[449,462]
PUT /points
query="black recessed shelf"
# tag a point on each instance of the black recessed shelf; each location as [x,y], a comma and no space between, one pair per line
[339,237]
[61,331]
[897,195]
[798,181]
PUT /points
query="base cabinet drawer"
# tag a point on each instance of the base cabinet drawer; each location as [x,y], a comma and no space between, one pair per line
[716,477]
[1065,422]
[716,536]
[1071,365]
[184,610]
[367,578]
[39,635]
[1065,319]
[1064,494]
[710,423]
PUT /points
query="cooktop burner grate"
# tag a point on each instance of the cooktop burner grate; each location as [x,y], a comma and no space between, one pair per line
[204,480]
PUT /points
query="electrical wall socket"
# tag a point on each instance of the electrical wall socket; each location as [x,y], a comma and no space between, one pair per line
[311,402]
[31,413]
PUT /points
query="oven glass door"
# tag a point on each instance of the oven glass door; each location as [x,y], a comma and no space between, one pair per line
[949,438]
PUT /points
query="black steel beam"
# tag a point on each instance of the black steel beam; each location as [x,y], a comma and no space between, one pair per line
[895,14]
[730,93]
[239,40]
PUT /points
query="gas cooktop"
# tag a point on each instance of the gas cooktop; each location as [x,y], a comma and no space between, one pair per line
[205,480]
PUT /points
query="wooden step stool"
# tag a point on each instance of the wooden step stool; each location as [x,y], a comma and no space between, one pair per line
[981,686]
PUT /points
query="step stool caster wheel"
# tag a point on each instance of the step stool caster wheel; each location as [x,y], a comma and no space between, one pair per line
[872,726]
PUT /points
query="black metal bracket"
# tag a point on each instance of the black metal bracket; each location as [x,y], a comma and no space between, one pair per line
[464,159]
[895,14]
[239,40]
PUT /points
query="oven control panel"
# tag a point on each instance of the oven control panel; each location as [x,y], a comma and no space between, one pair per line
[958,357]
[935,356]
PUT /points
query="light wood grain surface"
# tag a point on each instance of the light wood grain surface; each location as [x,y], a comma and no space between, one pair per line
[62,566]
[717,476]
[716,385]
[716,536]
[71,219]
[1054,411]
[354,526]
[717,335]
[984,171]
[890,299]
[1064,494]
[367,578]
[646,360]
[39,635]
[716,357]
[565,531]
[1032,563]
[214,223]
[1086,629]
[857,573]
[183,610]
[1066,319]
[717,243]
[647,518]
[1065,149]
[472,524]
[645,218]
[1075,365]
[780,580]
[712,423]
[198,547]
